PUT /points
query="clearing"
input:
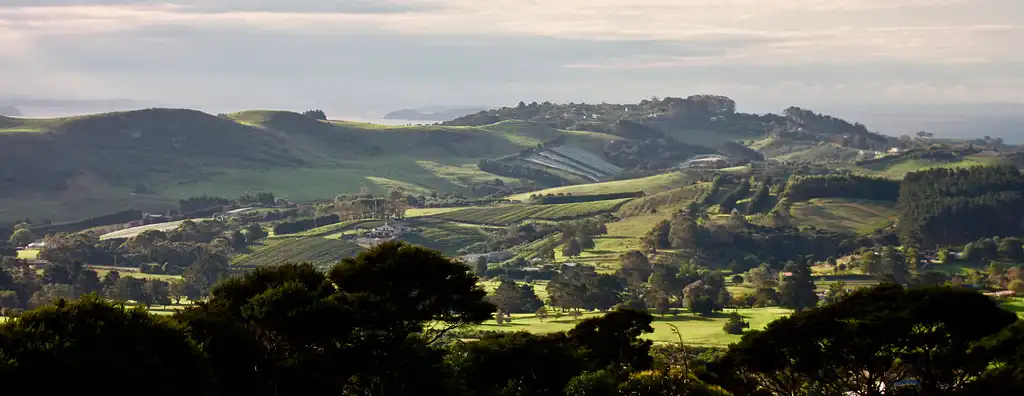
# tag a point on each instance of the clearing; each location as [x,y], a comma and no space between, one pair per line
[844,215]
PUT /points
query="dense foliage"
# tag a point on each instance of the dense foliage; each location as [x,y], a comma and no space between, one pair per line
[299,225]
[951,206]
[802,188]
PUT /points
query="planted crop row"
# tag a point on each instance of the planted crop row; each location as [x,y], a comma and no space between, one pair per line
[513,214]
[319,251]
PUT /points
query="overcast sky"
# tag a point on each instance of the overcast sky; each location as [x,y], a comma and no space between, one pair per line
[352,55]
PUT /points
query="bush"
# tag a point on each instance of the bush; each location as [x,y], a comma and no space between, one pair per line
[736,324]
[1017,286]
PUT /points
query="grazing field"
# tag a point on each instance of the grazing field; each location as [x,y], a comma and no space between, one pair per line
[896,169]
[649,185]
[843,215]
[316,250]
[695,330]
[513,214]
[131,232]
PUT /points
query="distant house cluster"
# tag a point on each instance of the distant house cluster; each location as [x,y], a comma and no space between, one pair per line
[707,161]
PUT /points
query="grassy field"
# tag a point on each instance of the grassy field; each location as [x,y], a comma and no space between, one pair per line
[842,215]
[1015,305]
[514,214]
[695,330]
[131,232]
[649,185]
[426,212]
[898,169]
[28,254]
[316,250]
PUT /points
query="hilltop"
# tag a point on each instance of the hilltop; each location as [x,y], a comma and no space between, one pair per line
[75,167]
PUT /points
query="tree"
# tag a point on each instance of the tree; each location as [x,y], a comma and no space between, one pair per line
[1011,249]
[51,293]
[699,298]
[658,237]
[737,279]
[572,249]
[684,234]
[874,337]
[1016,286]
[179,289]
[943,256]
[613,340]
[436,288]
[237,240]
[94,338]
[585,241]
[22,237]
[871,263]
[206,271]
[735,324]
[796,291]
[513,298]
[673,381]
[155,292]
[316,114]
[9,300]
[635,269]
[254,232]
[480,266]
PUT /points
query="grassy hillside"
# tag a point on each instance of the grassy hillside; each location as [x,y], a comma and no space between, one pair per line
[899,167]
[70,168]
[841,215]
[649,185]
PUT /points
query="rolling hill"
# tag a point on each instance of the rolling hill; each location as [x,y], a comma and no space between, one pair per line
[70,168]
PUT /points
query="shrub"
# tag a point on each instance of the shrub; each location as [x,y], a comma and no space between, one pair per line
[736,324]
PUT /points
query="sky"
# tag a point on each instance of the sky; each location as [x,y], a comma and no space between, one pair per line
[361,56]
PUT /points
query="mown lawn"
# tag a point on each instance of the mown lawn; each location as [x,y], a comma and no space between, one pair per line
[694,330]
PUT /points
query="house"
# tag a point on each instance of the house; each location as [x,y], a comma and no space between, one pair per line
[894,150]
[388,231]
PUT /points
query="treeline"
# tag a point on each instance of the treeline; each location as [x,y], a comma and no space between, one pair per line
[206,202]
[300,225]
[956,206]
[802,188]
[369,326]
[568,198]
[121,217]
[521,172]
[656,153]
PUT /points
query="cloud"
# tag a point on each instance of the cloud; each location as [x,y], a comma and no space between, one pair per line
[235,6]
[409,52]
